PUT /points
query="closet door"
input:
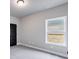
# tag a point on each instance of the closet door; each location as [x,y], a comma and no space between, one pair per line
[13,34]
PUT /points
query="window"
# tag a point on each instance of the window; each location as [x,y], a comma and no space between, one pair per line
[56,31]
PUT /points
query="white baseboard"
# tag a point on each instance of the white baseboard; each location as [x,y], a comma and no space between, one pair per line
[45,50]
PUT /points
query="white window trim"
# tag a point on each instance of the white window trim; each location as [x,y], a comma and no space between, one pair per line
[65,44]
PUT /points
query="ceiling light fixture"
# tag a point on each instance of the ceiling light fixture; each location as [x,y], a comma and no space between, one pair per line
[20,2]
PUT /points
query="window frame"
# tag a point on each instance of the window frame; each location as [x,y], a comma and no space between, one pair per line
[65,44]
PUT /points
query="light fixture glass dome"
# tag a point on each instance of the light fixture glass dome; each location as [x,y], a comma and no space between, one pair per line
[20,2]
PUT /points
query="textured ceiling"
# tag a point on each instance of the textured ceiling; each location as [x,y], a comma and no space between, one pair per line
[32,6]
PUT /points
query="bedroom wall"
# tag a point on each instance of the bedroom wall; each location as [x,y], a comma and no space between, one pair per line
[33,29]
[15,20]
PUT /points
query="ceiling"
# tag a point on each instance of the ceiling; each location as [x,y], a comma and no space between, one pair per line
[32,6]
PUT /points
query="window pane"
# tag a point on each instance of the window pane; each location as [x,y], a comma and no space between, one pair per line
[56,38]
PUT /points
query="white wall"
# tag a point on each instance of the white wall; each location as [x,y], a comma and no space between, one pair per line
[33,29]
[16,21]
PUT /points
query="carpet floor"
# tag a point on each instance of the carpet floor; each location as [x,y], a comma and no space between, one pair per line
[21,52]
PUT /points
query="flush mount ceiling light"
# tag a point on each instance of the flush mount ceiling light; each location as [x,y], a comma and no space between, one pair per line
[20,2]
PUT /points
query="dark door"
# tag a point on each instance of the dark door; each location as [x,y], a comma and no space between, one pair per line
[13,34]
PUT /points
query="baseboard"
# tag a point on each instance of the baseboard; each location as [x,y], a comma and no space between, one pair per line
[45,50]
